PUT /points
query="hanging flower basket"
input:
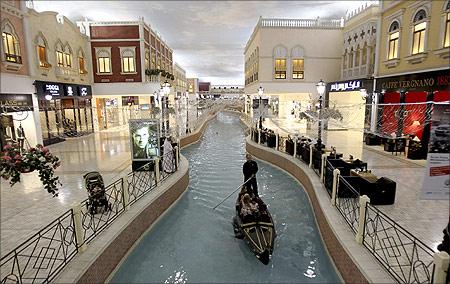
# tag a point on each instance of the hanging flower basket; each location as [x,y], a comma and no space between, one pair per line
[14,162]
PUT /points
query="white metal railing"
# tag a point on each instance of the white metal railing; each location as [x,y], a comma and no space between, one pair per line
[303,23]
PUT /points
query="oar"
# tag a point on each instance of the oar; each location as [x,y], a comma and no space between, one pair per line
[233,192]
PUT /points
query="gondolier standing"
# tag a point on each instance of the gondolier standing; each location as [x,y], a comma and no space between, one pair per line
[250,168]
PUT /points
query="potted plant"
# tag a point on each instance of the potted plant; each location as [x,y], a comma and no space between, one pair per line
[14,162]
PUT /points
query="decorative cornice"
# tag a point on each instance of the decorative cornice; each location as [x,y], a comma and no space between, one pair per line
[11,10]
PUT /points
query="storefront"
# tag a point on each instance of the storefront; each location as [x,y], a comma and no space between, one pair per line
[65,110]
[406,103]
[346,104]
[17,110]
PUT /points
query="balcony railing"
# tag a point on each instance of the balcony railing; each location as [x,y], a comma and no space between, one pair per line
[303,23]
[13,58]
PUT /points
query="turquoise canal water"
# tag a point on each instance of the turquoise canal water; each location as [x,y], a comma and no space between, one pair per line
[192,243]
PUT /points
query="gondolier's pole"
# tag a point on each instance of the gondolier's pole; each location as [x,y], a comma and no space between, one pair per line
[233,192]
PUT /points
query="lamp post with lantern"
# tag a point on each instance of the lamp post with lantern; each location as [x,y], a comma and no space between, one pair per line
[260,93]
[320,90]
[164,93]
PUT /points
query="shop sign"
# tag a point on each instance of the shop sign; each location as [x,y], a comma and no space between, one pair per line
[84,91]
[70,90]
[345,86]
[427,81]
[53,89]
[13,102]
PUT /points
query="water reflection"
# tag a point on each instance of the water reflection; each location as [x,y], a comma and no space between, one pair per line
[179,277]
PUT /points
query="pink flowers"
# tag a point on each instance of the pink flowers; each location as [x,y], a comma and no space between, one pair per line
[15,161]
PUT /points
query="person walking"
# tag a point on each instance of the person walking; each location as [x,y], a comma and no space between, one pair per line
[250,168]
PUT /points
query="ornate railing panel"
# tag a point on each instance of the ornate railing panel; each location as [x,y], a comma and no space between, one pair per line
[405,257]
[282,143]
[41,257]
[94,222]
[328,177]
[140,182]
[169,165]
[347,203]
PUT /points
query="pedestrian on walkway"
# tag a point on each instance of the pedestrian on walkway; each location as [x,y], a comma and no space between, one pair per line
[250,168]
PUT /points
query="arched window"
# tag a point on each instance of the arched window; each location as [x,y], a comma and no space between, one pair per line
[394,34]
[41,48]
[128,61]
[11,46]
[103,60]
[364,54]
[344,60]
[420,26]
[357,56]
[59,54]
[68,56]
[447,26]
[350,60]
[298,63]
[280,55]
[81,62]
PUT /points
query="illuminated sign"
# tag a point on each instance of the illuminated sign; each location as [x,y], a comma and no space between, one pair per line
[83,91]
[345,86]
[52,89]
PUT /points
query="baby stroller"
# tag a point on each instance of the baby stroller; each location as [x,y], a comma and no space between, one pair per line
[95,187]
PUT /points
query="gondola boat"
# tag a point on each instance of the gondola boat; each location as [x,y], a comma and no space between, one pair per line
[258,231]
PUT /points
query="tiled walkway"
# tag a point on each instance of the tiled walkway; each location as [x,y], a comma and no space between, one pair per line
[425,219]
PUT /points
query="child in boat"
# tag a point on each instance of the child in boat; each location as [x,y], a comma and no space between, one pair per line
[248,206]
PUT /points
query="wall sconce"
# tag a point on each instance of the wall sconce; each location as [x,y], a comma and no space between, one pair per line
[48,97]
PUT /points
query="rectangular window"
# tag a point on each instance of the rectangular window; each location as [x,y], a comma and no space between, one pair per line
[103,65]
[297,69]
[447,32]
[280,68]
[68,59]
[153,58]
[128,65]
[60,58]
[158,64]
[393,45]
[81,65]
[419,38]
[41,54]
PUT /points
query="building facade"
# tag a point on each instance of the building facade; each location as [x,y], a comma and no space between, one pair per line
[60,65]
[18,103]
[348,95]
[282,56]
[227,91]
[412,67]
[180,82]
[130,61]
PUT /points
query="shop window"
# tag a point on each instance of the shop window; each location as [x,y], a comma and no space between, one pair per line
[394,35]
[447,27]
[81,62]
[420,26]
[11,46]
[298,69]
[103,60]
[68,56]
[41,48]
[280,68]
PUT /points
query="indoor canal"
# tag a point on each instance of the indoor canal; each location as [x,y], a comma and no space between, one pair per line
[194,243]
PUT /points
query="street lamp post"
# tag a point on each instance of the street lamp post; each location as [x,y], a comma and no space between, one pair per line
[164,91]
[260,93]
[321,90]
[187,111]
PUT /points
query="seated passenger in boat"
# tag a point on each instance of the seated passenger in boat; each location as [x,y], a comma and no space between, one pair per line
[249,208]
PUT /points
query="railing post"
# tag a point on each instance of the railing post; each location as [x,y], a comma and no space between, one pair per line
[322,169]
[277,139]
[157,170]
[334,188]
[311,155]
[259,136]
[441,260]
[363,200]
[295,147]
[125,197]
[177,158]
[76,210]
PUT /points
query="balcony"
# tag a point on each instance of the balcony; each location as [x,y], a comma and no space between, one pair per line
[65,72]
[12,62]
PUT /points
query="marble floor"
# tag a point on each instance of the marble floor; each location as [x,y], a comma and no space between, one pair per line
[425,219]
